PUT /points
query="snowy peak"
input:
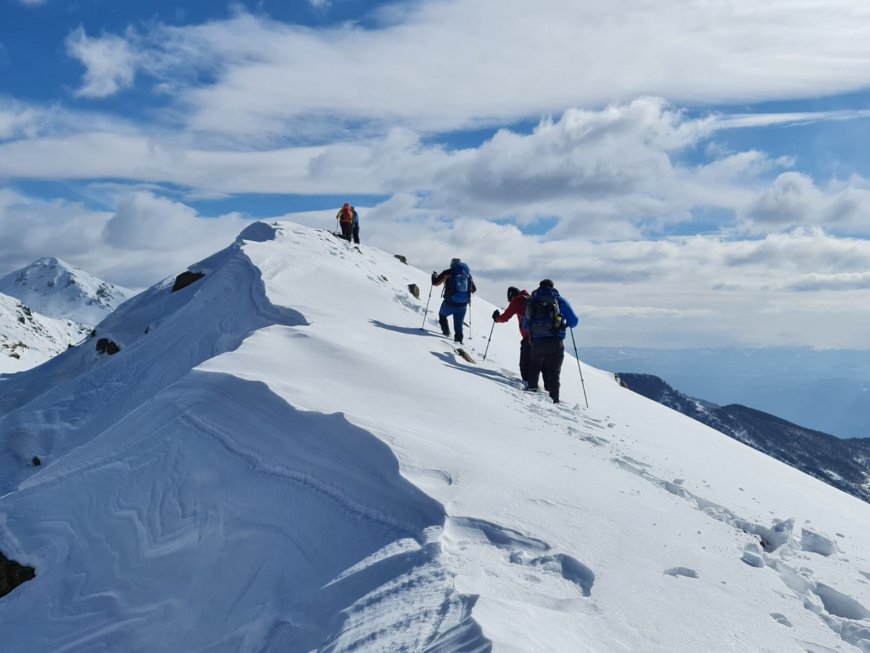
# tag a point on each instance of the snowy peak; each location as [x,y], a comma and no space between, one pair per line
[62,291]
[28,338]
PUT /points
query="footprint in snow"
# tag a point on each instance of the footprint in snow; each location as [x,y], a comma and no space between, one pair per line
[681,571]
[524,550]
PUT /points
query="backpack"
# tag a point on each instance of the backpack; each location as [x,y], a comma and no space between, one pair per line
[543,313]
[459,285]
[347,215]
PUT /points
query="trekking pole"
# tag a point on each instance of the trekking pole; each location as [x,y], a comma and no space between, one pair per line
[577,356]
[426,312]
[488,339]
[469,316]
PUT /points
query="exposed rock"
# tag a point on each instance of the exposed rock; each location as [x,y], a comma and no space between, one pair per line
[36,461]
[13,574]
[415,290]
[186,278]
[464,354]
[401,258]
[106,346]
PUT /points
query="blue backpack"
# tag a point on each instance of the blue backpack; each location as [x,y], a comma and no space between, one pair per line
[543,313]
[459,284]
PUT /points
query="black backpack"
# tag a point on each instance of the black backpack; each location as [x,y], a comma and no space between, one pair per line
[543,313]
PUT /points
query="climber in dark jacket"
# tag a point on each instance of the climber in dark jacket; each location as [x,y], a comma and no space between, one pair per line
[548,316]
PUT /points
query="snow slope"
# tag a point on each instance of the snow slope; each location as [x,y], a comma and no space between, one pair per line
[280,459]
[62,291]
[28,338]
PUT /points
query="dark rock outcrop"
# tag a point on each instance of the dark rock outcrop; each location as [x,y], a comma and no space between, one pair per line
[414,289]
[13,574]
[106,346]
[401,258]
[186,278]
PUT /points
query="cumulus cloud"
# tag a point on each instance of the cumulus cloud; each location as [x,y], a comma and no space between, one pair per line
[144,221]
[616,173]
[795,199]
[270,78]
[699,291]
[109,61]
[146,239]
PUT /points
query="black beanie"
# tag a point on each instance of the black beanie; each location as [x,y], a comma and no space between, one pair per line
[546,283]
[512,292]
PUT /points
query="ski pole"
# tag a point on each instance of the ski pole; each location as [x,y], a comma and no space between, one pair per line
[469,317]
[577,356]
[426,312]
[488,339]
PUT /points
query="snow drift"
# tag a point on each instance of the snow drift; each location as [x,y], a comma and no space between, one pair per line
[278,458]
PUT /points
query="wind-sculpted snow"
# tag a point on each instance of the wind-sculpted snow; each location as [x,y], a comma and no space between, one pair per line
[280,459]
[163,335]
[218,489]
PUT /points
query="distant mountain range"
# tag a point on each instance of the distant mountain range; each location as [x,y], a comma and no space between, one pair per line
[48,306]
[843,463]
[823,389]
[62,291]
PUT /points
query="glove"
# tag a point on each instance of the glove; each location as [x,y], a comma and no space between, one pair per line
[434,277]
[495,314]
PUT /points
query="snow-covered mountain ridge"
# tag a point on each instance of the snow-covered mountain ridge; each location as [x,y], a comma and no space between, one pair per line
[62,291]
[28,338]
[279,459]
[843,463]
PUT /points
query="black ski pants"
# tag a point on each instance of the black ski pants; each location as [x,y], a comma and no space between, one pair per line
[525,354]
[546,359]
[346,230]
[356,233]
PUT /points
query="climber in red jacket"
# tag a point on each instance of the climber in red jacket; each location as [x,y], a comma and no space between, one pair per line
[517,301]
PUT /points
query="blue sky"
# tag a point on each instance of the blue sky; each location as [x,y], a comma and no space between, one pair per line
[691,175]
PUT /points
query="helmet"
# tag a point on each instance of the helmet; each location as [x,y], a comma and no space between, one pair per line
[346,206]
[546,283]
[512,292]
[454,261]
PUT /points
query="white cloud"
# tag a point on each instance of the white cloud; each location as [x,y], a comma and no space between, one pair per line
[272,78]
[701,290]
[146,222]
[146,239]
[109,61]
[795,199]
[16,123]
[614,173]
[835,282]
